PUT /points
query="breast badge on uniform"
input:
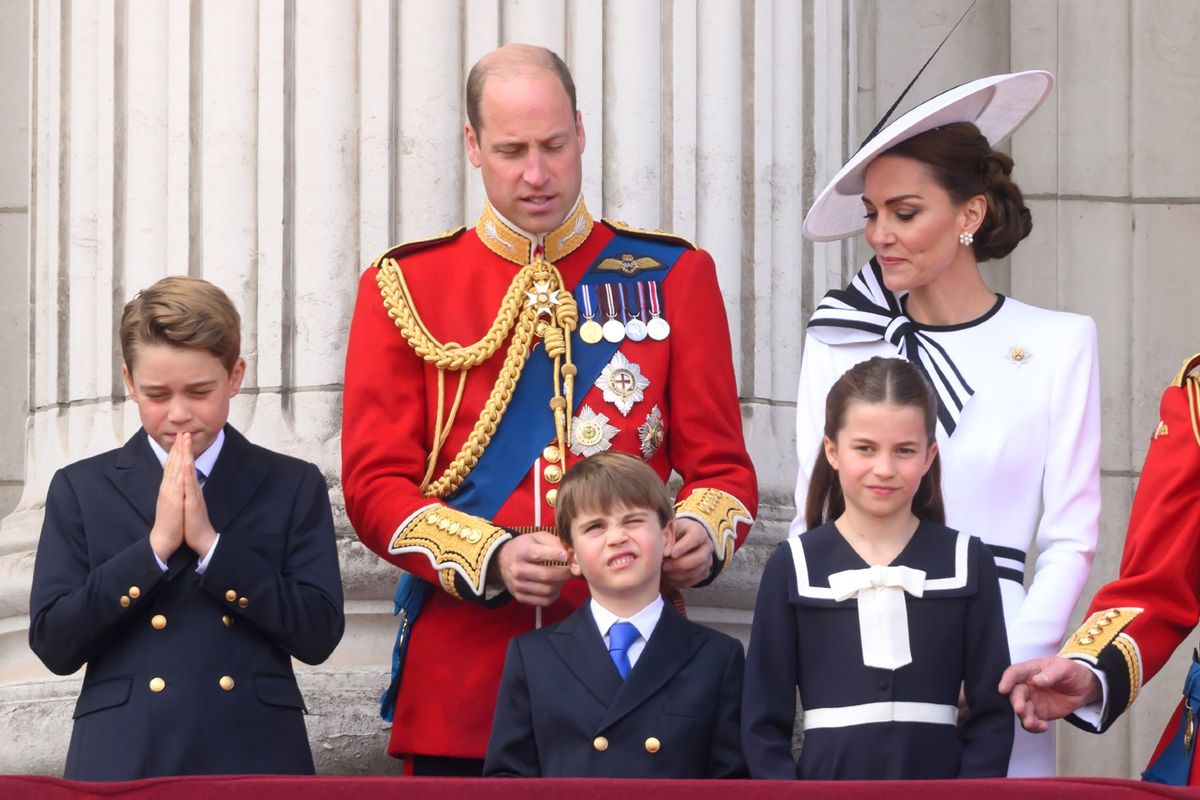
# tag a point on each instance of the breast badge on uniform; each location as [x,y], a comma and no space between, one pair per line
[541,298]
[622,383]
[590,433]
[629,264]
[651,433]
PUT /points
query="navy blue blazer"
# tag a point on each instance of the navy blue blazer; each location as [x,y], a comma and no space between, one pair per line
[563,710]
[186,673]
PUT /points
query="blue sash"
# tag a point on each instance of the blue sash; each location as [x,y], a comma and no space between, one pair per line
[524,430]
[1174,764]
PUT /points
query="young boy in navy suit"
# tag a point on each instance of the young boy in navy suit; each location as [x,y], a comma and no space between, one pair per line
[625,687]
[186,568]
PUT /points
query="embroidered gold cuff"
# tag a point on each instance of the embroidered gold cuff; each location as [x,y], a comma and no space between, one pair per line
[453,541]
[719,512]
[1102,630]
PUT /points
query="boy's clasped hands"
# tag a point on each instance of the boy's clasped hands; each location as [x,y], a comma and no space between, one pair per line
[181,516]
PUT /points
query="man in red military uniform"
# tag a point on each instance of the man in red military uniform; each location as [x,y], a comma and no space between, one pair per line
[1135,623]
[484,362]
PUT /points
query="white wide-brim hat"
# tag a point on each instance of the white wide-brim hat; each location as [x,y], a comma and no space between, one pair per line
[998,105]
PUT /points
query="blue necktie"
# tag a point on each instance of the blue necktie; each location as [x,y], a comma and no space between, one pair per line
[620,636]
[200,477]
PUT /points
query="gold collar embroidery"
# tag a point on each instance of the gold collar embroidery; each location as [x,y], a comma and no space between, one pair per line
[499,235]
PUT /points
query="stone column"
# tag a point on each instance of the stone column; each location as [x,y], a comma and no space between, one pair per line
[1115,198]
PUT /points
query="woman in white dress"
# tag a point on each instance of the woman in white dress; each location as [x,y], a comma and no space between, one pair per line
[1018,386]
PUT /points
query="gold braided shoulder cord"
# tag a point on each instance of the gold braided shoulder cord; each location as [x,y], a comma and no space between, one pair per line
[401,308]
[513,316]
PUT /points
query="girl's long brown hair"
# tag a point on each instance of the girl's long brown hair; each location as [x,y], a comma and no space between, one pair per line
[896,382]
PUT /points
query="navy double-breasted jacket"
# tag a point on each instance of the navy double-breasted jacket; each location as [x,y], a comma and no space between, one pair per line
[187,673]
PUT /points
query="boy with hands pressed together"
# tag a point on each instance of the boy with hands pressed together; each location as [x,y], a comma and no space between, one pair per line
[624,687]
[186,568]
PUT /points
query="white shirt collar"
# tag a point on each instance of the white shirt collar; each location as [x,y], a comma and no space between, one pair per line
[645,620]
[204,463]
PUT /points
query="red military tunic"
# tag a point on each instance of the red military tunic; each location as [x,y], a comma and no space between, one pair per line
[1135,623]
[687,419]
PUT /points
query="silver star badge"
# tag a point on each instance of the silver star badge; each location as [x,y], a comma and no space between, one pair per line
[651,433]
[622,383]
[590,433]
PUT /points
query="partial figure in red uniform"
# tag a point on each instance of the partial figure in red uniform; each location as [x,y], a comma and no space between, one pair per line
[483,363]
[1135,622]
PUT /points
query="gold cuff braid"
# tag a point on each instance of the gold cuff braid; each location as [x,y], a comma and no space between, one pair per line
[454,542]
[719,512]
[1101,630]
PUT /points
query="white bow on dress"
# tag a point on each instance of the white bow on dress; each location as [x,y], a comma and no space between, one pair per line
[882,611]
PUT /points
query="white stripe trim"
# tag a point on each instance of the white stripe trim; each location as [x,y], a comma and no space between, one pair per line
[805,588]
[1009,563]
[959,578]
[870,713]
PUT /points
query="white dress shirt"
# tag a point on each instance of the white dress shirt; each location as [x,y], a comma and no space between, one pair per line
[644,620]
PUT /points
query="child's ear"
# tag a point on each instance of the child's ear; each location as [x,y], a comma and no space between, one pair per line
[930,454]
[830,451]
[572,564]
[236,375]
[669,538]
[129,390]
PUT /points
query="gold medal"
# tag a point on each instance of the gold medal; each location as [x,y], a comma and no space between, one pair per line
[591,332]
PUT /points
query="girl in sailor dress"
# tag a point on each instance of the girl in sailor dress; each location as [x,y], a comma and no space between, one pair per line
[878,614]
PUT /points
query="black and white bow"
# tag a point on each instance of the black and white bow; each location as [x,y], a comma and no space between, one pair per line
[866,311]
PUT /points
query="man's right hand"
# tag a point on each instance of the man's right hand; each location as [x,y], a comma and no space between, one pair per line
[524,564]
[1046,689]
[167,533]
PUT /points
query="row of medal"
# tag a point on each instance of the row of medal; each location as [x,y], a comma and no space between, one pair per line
[630,311]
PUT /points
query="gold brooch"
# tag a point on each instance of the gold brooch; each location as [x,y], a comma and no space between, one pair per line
[1018,355]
